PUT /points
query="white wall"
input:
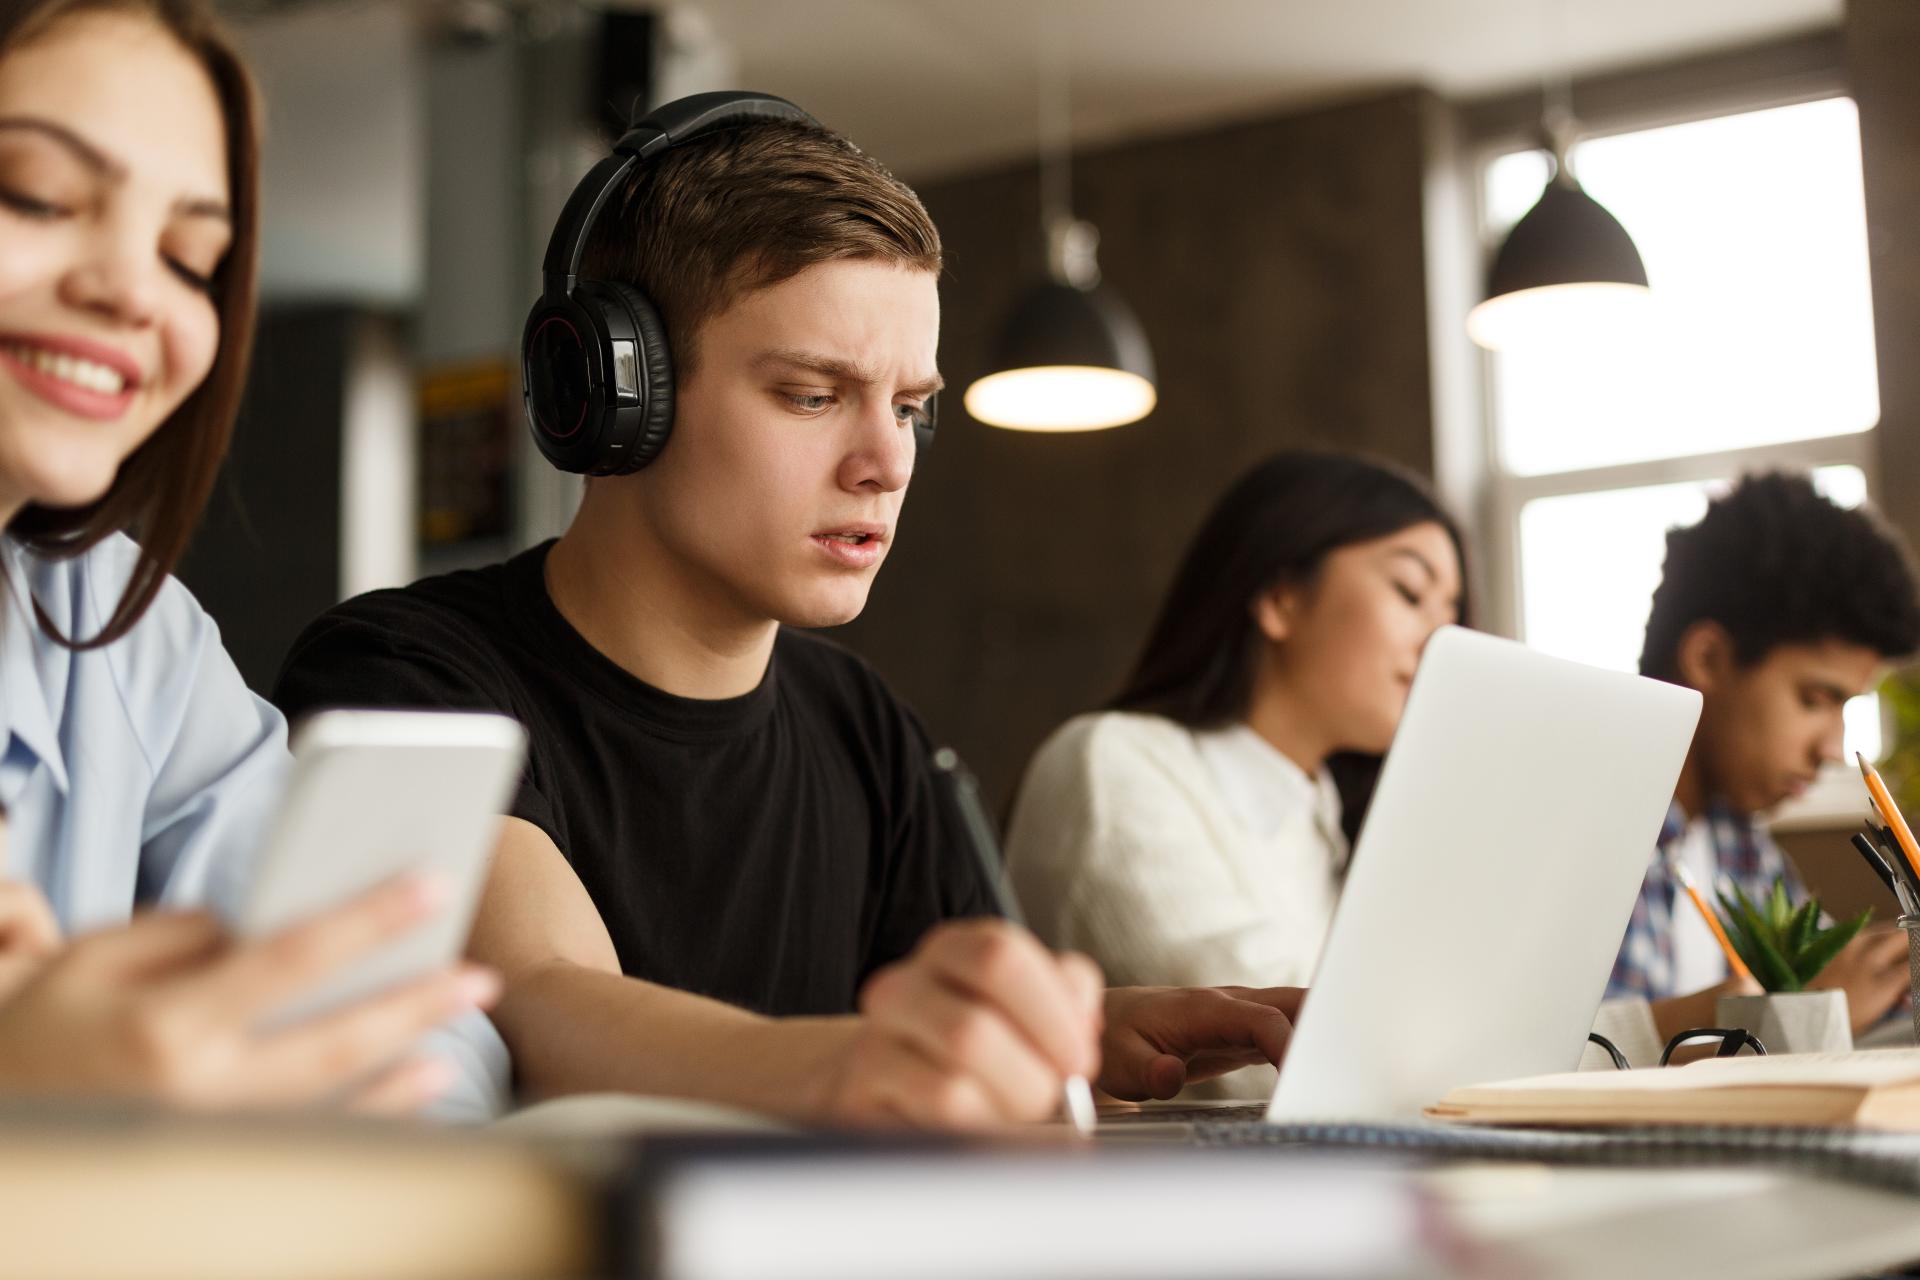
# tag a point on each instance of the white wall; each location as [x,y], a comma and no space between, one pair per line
[345,172]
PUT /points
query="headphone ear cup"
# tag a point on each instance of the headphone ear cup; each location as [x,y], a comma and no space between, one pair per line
[656,362]
[558,382]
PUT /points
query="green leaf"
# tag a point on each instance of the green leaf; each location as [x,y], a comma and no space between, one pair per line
[1801,931]
[1754,919]
[1773,971]
[1731,914]
[1752,939]
[1826,945]
[1779,909]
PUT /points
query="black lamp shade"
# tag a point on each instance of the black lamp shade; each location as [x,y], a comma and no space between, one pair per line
[1568,237]
[1567,273]
[1058,324]
[1067,359]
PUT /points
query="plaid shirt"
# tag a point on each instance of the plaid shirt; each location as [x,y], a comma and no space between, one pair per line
[1746,856]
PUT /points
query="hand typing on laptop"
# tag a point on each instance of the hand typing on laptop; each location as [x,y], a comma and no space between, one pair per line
[981,1024]
[1159,1040]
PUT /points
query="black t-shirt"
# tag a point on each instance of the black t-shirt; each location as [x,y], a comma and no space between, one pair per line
[770,850]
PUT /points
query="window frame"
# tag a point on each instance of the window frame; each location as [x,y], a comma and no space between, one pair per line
[1786,73]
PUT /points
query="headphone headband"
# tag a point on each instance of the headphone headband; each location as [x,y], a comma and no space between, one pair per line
[687,118]
[668,126]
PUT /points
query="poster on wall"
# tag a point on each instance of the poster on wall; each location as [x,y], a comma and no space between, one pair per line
[467,418]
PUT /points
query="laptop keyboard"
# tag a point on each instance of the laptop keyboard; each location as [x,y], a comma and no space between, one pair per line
[1230,1113]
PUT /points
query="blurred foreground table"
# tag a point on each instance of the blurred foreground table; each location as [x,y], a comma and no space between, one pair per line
[104,1195]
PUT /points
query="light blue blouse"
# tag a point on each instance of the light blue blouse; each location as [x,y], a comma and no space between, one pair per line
[134,774]
[143,773]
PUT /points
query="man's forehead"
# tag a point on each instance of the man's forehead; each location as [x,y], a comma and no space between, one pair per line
[855,293]
[848,366]
[1842,664]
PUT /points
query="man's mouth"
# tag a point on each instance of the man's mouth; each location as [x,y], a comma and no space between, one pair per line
[857,534]
[854,546]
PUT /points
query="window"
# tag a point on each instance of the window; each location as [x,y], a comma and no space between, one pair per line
[1758,352]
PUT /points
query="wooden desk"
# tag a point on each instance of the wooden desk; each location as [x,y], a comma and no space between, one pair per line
[100,1195]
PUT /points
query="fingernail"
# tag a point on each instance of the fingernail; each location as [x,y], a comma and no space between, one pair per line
[478,987]
[433,1077]
[427,891]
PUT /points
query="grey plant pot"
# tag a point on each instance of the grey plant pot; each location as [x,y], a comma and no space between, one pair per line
[1792,1021]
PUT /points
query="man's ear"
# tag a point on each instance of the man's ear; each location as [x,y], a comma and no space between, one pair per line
[1273,611]
[1705,657]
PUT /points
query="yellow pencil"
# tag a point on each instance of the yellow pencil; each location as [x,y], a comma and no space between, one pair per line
[1890,813]
[1734,962]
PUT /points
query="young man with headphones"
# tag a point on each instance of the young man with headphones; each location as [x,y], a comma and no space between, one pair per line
[728,839]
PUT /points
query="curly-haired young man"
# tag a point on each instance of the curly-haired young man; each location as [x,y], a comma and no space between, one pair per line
[1778,606]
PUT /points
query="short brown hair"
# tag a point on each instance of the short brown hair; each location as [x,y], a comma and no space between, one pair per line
[744,208]
[162,488]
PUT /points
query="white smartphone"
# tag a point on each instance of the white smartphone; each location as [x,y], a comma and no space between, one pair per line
[374,794]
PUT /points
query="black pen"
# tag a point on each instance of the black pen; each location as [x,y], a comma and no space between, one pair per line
[1906,888]
[965,794]
[1878,863]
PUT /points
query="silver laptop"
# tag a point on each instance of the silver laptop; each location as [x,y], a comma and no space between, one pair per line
[1492,883]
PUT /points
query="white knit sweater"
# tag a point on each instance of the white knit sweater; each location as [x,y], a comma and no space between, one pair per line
[1170,856]
[1180,858]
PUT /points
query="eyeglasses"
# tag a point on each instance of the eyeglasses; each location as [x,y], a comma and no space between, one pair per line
[1732,1041]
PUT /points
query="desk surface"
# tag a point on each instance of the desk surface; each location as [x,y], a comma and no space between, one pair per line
[90,1195]
[163,1198]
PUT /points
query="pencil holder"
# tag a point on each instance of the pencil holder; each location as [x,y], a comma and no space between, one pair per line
[1911,924]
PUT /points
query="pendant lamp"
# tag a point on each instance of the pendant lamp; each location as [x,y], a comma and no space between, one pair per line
[1071,355]
[1568,271]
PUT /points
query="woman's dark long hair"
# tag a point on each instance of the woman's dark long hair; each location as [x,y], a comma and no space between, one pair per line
[1276,525]
[162,487]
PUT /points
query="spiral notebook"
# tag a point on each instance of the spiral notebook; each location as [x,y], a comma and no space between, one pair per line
[1890,1160]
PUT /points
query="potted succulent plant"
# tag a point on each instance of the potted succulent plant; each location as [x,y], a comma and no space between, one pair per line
[1786,947]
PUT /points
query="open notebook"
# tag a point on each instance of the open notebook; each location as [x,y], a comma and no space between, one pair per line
[1853,1116]
[1875,1089]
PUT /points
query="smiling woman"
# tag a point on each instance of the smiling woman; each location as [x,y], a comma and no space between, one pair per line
[153,375]
[136,769]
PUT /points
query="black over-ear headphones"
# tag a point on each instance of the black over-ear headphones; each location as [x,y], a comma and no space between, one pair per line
[597,372]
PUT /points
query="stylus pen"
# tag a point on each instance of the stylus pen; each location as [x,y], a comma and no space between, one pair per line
[1881,869]
[1078,1095]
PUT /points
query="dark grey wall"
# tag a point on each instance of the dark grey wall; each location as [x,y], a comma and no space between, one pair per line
[1277,266]
[266,558]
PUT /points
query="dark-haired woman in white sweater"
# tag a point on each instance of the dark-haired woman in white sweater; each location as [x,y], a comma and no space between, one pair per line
[1196,831]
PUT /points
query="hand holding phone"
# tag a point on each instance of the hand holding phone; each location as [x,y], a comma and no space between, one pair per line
[374,795]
